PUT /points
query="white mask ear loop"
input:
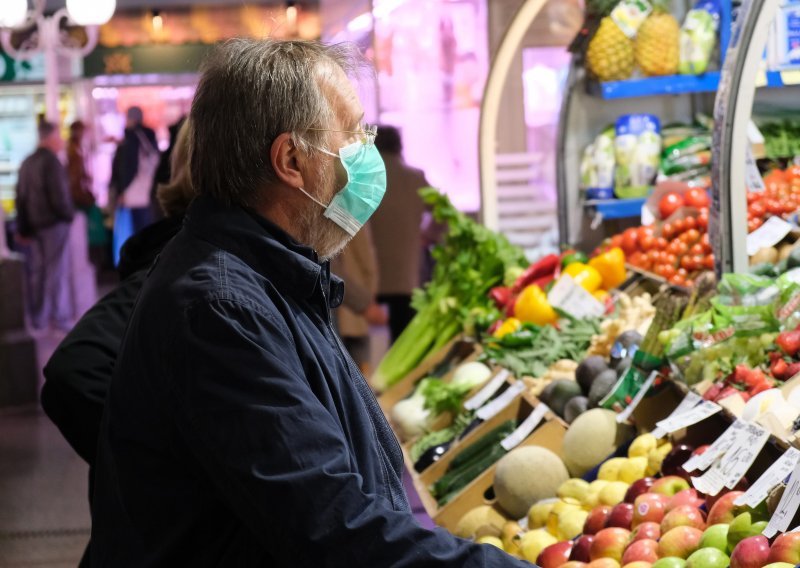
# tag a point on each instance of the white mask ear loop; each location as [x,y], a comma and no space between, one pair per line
[312,198]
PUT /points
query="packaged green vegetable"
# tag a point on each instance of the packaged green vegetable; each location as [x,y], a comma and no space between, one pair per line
[687,147]
[698,37]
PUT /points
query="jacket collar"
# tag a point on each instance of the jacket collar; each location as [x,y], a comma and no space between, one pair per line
[293,268]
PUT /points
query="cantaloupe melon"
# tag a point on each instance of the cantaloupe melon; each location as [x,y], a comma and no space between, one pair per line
[527,475]
[485,519]
[590,439]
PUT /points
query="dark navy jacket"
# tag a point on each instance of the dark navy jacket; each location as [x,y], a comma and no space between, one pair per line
[238,432]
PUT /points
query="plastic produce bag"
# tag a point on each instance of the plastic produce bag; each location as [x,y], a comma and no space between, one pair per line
[698,37]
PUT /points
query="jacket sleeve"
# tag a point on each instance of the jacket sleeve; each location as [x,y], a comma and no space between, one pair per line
[280,460]
[57,188]
[78,374]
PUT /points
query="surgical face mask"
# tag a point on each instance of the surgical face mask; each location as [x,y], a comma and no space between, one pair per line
[352,207]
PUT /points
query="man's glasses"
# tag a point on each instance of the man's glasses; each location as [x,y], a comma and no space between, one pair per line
[366,132]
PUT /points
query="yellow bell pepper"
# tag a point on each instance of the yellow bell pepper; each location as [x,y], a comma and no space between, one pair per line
[611,266]
[509,326]
[585,276]
[532,307]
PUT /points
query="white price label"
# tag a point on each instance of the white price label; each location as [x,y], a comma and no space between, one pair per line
[776,473]
[488,391]
[691,416]
[689,401]
[716,449]
[626,413]
[787,507]
[712,481]
[567,295]
[743,453]
[753,177]
[767,235]
[523,430]
[490,410]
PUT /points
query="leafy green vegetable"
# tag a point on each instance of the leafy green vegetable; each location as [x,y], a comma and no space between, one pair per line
[471,261]
[441,396]
[442,436]
[531,350]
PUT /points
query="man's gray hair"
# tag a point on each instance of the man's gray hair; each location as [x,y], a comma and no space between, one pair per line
[250,92]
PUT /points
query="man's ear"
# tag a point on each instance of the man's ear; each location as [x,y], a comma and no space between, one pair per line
[285,158]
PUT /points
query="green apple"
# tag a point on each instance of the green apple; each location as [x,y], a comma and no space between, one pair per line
[669,562]
[715,536]
[708,558]
[743,527]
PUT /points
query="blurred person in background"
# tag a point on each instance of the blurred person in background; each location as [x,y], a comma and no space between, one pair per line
[78,375]
[134,167]
[237,431]
[396,231]
[164,171]
[80,181]
[358,267]
[44,217]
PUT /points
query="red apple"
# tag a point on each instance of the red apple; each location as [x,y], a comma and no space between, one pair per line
[674,460]
[573,564]
[786,548]
[580,550]
[711,500]
[603,563]
[650,507]
[621,516]
[639,487]
[609,543]
[646,530]
[751,552]
[685,497]
[641,551]
[680,542]
[555,555]
[724,511]
[683,516]
[638,565]
[596,521]
[669,485]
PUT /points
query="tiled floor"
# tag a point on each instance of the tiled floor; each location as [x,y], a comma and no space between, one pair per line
[44,513]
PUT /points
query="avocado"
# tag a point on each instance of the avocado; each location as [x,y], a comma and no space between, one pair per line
[558,393]
[601,386]
[588,370]
[793,261]
[575,407]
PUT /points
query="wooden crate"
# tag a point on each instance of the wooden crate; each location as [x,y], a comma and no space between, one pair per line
[548,434]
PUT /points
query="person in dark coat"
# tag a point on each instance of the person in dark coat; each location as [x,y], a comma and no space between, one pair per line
[237,431]
[130,173]
[78,374]
[44,216]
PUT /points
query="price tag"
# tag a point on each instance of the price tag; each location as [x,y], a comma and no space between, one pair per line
[743,453]
[776,473]
[689,401]
[753,179]
[691,416]
[490,410]
[720,446]
[488,391]
[712,481]
[787,507]
[626,413]
[573,299]
[523,430]
[767,235]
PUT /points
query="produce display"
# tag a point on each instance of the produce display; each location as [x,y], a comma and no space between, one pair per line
[643,36]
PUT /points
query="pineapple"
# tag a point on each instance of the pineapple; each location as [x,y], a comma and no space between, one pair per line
[609,56]
[658,43]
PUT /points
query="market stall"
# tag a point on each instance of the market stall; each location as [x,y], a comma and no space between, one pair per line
[635,399]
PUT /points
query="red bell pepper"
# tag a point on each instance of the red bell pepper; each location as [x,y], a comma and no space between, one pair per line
[501,296]
[789,342]
[546,266]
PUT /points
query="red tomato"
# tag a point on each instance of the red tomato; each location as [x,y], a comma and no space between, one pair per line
[670,259]
[683,272]
[758,209]
[667,230]
[645,231]
[698,261]
[687,263]
[636,258]
[705,240]
[774,206]
[670,203]
[616,241]
[647,242]
[691,236]
[697,248]
[661,243]
[654,257]
[668,271]
[679,226]
[678,280]
[702,221]
[754,224]
[630,241]
[690,223]
[708,262]
[674,247]
[696,197]
[689,283]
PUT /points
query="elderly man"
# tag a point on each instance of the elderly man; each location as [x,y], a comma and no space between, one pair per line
[237,431]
